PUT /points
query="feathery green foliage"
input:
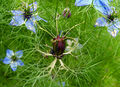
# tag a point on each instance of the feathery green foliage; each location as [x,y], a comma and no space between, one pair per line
[96,65]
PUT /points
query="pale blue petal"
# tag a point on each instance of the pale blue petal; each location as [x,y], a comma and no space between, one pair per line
[20,63]
[110,0]
[17,12]
[13,66]
[37,18]
[7,60]
[102,6]
[30,25]
[117,23]
[17,20]
[111,26]
[19,54]
[33,6]
[9,53]
[101,22]
[82,2]
[113,32]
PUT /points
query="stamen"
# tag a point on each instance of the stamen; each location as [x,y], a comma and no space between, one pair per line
[27,14]
[111,18]
[14,58]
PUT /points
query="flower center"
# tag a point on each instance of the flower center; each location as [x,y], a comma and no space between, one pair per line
[111,18]
[27,14]
[14,58]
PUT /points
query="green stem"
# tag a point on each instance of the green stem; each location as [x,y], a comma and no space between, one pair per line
[56,24]
[45,30]
[68,30]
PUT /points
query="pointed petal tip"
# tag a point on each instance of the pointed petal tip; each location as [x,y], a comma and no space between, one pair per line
[95,25]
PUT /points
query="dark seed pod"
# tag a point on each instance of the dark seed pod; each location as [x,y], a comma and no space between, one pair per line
[111,18]
[58,46]
[14,58]
[27,13]
[66,13]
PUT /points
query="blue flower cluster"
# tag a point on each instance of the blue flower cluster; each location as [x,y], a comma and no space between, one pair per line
[109,20]
[29,16]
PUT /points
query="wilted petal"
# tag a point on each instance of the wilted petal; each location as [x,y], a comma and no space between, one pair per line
[69,42]
[13,66]
[17,20]
[33,6]
[102,6]
[7,60]
[68,48]
[20,63]
[9,53]
[101,22]
[76,39]
[19,54]
[30,25]
[17,12]
[83,2]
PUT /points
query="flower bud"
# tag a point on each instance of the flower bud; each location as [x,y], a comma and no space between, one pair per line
[66,13]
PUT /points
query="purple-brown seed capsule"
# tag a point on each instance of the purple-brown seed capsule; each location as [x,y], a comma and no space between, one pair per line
[58,46]
[66,13]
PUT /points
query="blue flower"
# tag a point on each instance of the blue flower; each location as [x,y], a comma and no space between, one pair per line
[109,20]
[13,59]
[28,16]
[100,5]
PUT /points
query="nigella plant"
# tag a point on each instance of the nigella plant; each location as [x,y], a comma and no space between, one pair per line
[13,59]
[27,16]
[109,20]
[58,50]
